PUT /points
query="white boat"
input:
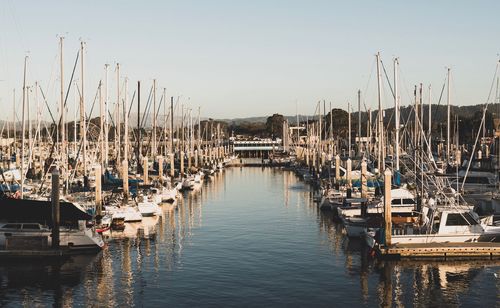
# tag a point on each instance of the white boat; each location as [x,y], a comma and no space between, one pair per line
[148,208]
[127,213]
[446,224]
[167,195]
[402,203]
[82,239]
[188,183]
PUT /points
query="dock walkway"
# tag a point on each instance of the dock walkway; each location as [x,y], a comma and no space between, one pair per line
[441,251]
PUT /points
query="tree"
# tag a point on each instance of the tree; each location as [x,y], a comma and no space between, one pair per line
[340,122]
[274,125]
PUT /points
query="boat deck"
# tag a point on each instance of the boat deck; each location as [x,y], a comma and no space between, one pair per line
[441,251]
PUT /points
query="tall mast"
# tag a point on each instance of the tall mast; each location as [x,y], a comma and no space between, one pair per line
[63,120]
[75,118]
[14,123]
[165,119]
[153,134]
[430,123]
[359,121]
[106,124]
[349,124]
[199,129]
[319,128]
[125,122]
[381,158]
[118,124]
[24,127]
[171,135]
[101,125]
[448,119]
[83,130]
[396,109]
[139,143]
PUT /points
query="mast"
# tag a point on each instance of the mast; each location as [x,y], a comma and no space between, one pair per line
[14,123]
[396,109]
[381,158]
[101,124]
[125,122]
[106,124]
[62,121]
[171,135]
[75,118]
[24,127]
[138,150]
[153,134]
[429,132]
[83,132]
[118,120]
[165,119]
[349,124]
[359,122]
[448,119]
[199,129]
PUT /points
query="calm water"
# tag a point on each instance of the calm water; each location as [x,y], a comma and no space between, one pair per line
[250,237]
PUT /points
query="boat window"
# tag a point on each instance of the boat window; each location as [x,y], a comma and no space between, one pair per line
[12,226]
[31,227]
[463,219]
[408,201]
[396,201]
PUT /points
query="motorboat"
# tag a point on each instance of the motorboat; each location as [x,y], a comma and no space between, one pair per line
[36,235]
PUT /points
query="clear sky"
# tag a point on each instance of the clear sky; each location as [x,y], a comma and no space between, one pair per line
[253,58]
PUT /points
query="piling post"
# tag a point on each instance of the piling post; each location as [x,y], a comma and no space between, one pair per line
[55,209]
[364,187]
[307,157]
[189,160]
[348,173]
[125,179]
[458,157]
[387,207]
[196,158]
[172,166]
[145,170]
[337,168]
[314,159]
[160,169]
[98,190]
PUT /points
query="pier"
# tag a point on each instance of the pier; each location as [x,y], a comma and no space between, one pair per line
[440,251]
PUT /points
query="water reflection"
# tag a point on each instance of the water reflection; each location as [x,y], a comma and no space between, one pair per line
[27,283]
[250,236]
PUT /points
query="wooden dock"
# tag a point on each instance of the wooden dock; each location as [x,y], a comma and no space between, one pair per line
[441,251]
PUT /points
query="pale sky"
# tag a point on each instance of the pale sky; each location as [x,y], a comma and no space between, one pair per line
[253,58]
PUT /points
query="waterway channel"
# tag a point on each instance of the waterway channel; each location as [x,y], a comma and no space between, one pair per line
[248,237]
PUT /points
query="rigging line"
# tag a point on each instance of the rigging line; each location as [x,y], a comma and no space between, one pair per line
[482,123]
[148,106]
[71,79]
[47,104]
[64,105]
[53,142]
[158,109]
[368,84]
[387,78]
[131,103]
[441,96]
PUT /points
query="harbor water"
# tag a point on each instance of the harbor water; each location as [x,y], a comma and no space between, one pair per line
[247,237]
